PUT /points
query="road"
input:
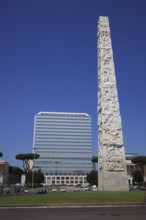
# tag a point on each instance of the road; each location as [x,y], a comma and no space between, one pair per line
[101,213]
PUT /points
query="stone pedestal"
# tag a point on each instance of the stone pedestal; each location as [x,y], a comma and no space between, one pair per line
[111,155]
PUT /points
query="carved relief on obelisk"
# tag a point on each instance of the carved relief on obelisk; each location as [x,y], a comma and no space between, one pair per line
[111,153]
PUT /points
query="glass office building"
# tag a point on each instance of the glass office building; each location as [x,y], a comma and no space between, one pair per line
[64,143]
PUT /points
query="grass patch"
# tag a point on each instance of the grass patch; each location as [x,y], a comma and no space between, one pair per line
[75,198]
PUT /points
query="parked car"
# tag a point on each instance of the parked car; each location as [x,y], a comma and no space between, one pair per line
[142,187]
[85,188]
[17,189]
[62,189]
[42,191]
[25,190]
[134,188]
[6,190]
[54,190]
[77,189]
[137,188]
[94,188]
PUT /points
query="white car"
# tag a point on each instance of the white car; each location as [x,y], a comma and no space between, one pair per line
[77,189]
[85,188]
[62,189]
[26,190]
[94,188]
[54,190]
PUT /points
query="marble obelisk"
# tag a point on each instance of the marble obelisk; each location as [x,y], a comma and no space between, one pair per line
[112,173]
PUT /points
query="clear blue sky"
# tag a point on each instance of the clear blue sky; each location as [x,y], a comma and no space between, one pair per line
[48,62]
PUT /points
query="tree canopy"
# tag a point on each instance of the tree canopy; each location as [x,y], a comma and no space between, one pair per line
[1,154]
[141,161]
[94,159]
[137,176]
[15,170]
[92,177]
[38,177]
[26,158]
[14,175]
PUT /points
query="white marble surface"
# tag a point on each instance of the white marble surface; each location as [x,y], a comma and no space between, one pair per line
[111,153]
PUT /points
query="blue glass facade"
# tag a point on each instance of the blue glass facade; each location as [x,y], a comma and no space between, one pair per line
[64,143]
